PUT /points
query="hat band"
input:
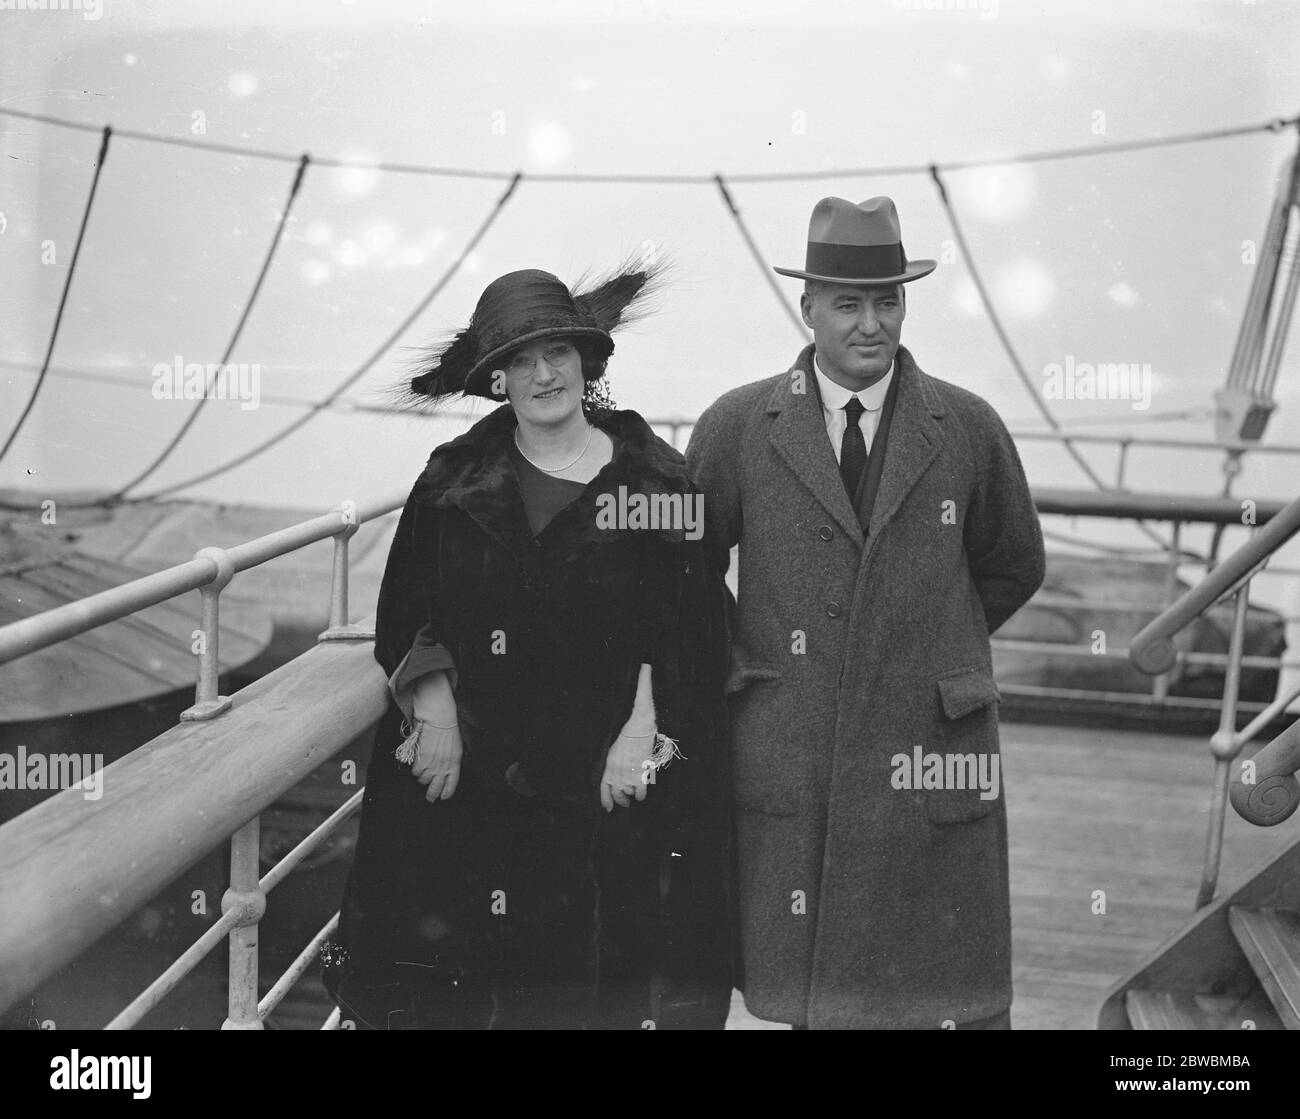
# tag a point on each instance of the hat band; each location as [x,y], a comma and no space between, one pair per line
[855,262]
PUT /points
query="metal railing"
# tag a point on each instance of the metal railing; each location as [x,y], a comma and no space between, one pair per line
[1152,651]
[71,869]
[39,847]
[209,572]
[1178,511]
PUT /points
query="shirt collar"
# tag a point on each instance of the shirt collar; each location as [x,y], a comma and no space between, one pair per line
[834,396]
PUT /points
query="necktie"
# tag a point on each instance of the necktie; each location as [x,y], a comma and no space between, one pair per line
[853,449]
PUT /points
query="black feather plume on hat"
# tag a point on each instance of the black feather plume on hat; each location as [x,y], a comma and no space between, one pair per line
[594,308]
[620,297]
[440,367]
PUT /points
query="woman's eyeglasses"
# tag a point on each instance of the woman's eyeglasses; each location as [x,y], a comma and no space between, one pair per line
[556,356]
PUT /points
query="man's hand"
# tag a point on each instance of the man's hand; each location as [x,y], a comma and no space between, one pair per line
[627,766]
[437,761]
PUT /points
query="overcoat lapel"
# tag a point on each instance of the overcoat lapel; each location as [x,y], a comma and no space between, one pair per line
[799,436]
[913,443]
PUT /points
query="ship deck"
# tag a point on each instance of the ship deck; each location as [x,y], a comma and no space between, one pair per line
[1088,809]
[1123,811]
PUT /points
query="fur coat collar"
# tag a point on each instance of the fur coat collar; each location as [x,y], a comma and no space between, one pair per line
[473,473]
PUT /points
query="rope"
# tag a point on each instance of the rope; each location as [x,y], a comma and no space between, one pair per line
[998,328]
[343,406]
[234,338]
[361,370]
[1277,124]
[352,405]
[1185,555]
[118,381]
[1187,414]
[1274,125]
[63,298]
[759,260]
[1014,357]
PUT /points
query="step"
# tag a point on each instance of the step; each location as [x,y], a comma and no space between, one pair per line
[1183,1010]
[1271,940]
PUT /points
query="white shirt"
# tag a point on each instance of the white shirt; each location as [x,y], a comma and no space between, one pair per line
[834,397]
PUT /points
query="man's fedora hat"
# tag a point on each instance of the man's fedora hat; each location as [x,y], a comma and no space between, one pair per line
[859,245]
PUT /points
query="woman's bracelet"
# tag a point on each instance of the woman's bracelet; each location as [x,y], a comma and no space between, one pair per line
[406,727]
[665,749]
[405,753]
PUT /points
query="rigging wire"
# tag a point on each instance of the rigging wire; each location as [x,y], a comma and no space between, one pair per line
[1205,412]
[934,169]
[978,280]
[361,370]
[759,260]
[118,381]
[351,405]
[63,297]
[1277,124]
[1016,364]
[355,404]
[1185,555]
[122,491]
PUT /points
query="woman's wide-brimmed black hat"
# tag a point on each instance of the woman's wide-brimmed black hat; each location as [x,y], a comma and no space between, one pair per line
[527,306]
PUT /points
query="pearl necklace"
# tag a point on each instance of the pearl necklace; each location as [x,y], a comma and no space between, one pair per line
[556,469]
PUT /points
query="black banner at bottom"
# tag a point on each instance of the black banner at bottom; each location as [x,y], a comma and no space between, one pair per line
[185,1067]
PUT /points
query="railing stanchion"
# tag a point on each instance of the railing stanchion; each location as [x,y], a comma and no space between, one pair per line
[1160,685]
[246,895]
[339,629]
[1224,746]
[208,704]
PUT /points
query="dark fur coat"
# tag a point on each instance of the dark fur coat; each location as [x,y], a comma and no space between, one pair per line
[520,902]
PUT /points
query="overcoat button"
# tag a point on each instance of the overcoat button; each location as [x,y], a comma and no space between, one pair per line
[825,532]
[832,609]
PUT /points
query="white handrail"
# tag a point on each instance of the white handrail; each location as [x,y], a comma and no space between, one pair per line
[52,626]
[164,806]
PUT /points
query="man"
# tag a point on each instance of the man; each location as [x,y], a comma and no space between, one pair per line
[885,530]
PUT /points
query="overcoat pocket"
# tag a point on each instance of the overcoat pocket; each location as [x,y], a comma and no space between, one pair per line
[972,788]
[964,689]
[746,673]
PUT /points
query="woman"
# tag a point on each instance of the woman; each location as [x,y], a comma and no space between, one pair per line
[527,857]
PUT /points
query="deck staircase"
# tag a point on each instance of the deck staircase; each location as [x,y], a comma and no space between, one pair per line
[1235,966]
[1236,963]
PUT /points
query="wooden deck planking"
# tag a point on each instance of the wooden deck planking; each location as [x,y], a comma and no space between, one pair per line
[1120,811]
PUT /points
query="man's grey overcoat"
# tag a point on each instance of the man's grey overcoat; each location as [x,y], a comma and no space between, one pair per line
[863,904]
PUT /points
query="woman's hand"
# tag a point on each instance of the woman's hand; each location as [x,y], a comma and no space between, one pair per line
[437,760]
[438,749]
[626,766]
[626,770]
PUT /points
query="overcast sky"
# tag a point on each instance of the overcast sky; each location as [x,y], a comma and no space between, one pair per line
[1115,258]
